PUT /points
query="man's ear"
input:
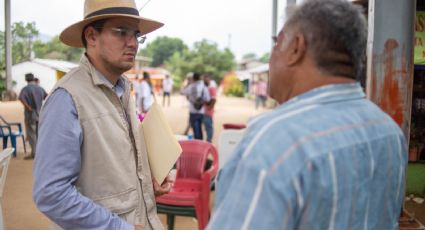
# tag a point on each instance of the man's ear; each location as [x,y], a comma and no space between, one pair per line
[91,36]
[296,49]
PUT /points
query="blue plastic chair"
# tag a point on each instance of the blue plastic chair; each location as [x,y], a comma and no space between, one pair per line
[7,130]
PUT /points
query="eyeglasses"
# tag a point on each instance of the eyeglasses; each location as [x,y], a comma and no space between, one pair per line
[126,33]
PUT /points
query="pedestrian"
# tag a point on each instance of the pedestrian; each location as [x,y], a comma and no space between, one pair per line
[260,90]
[136,90]
[167,88]
[91,170]
[146,93]
[326,157]
[32,96]
[209,108]
[197,95]
[186,83]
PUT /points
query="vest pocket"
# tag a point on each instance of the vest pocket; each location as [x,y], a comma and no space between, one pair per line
[120,203]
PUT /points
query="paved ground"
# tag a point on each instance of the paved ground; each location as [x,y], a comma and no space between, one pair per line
[18,208]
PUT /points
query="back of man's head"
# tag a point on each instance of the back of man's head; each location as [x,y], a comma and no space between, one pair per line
[335,32]
[29,77]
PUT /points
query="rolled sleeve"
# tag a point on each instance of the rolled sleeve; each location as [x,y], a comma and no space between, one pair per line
[56,169]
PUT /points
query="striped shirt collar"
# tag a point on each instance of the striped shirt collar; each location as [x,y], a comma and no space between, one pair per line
[324,94]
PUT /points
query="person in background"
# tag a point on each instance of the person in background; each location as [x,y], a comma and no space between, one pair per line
[146,93]
[167,88]
[260,91]
[326,157]
[209,108]
[186,83]
[91,169]
[31,97]
[197,93]
[136,90]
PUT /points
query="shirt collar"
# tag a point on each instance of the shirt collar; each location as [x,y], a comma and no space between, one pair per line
[329,94]
[320,95]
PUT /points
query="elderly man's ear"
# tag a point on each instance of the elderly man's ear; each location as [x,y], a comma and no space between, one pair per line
[296,50]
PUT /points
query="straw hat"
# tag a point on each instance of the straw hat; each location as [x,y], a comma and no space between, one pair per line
[100,9]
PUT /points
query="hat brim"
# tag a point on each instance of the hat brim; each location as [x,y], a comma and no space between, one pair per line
[72,35]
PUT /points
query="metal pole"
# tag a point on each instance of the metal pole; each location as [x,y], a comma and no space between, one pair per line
[8,45]
[390,58]
[274,20]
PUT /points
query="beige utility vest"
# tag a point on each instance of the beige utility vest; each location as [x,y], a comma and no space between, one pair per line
[115,170]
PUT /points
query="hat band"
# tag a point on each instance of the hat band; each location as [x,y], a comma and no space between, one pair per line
[115,10]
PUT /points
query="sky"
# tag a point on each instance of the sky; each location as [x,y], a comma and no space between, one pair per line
[244,26]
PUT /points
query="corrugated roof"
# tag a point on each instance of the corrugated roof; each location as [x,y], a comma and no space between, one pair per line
[60,65]
[259,69]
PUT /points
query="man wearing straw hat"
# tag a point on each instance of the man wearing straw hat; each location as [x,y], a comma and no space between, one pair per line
[91,169]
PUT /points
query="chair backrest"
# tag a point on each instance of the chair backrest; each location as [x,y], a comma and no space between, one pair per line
[227,142]
[4,165]
[191,163]
[3,121]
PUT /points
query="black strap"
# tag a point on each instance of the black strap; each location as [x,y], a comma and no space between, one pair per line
[115,10]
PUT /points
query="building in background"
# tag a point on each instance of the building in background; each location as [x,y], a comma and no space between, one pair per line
[47,70]
[157,74]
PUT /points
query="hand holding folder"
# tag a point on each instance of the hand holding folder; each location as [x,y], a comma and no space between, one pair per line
[161,145]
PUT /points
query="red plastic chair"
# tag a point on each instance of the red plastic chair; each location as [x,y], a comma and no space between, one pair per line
[191,190]
[233,126]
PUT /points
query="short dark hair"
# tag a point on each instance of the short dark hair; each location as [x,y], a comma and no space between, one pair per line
[196,76]
[97,25]
[146,75]
[29,77]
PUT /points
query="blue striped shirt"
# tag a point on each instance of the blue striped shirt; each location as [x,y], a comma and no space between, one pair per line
[326,159]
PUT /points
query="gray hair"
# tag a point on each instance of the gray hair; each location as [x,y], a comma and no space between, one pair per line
[335,32]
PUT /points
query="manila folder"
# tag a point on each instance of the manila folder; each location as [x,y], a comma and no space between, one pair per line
[161,145]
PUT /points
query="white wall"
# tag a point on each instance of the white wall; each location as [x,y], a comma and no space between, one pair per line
[46,75]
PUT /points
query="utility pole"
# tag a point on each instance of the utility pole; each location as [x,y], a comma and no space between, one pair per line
[390,58]
[8,45]
[274,21]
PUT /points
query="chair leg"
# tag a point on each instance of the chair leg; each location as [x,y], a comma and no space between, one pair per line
[170,221]
[2,225]
[13,140]
[23,143]
[5,142]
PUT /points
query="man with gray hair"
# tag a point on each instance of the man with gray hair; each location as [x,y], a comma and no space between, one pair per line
[326,157]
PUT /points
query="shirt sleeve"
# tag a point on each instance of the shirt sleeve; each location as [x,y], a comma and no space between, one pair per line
[207,96]
[23,95]
[145,90]
[57,166]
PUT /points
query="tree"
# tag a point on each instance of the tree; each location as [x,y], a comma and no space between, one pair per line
[204,58]
[55,49]
[22,39]
[162,48]
[265,58]
[249,56]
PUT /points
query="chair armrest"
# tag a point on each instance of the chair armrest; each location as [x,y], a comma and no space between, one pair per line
[212,171]
[16,124]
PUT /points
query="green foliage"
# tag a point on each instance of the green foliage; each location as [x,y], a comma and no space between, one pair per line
[55,49]
[162,48]
[249,56]
[232,86]
[265,58]
[204,58]
[23,35]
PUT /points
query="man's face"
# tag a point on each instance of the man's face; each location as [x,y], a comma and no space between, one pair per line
[115,49]
[279,72]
